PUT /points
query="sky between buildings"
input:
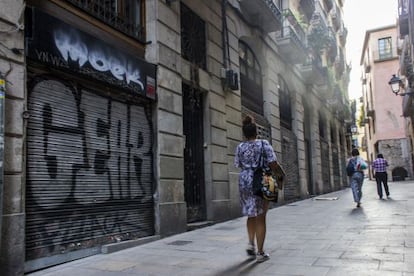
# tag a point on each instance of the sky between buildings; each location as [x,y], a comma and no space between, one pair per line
[360,16]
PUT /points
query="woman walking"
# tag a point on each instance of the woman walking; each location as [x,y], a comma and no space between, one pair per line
[247,158]
[357,177]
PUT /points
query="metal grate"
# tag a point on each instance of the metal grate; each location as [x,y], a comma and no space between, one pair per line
[193,154]
[193,37]
[179,242]
[123,15]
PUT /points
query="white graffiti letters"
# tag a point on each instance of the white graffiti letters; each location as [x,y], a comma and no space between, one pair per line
[77,50]
[70,45]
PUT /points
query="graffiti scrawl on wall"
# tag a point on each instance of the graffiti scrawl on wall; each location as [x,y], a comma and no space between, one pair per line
[71,47]
[89,170]
[66,47]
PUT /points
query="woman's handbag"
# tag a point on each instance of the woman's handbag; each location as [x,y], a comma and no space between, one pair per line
[264,185]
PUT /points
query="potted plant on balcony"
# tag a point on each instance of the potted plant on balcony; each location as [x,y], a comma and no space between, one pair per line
[294,19]
[318,39]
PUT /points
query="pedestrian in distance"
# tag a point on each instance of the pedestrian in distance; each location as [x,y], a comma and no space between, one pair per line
[355,170]
[379,167]
[247,158]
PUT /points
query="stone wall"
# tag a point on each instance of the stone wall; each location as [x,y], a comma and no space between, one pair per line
[396,152]
[12,68]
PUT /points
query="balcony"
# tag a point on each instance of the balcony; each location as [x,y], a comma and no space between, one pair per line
[332,49]
[343,34]
[405,56]
[308,7]
[407,106]
[371,113]
[403,22]
[328,4]
[340,64]
[317,38]
[367,67]
[336,18]
[123,20]
[292,39]
[366,121]
[313,72]
[263,14]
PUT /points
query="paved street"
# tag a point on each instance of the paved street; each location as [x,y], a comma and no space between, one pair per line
[323,236]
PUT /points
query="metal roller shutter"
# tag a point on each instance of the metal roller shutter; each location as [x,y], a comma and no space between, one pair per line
[89,170]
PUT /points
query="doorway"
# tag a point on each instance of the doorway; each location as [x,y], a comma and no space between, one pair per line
[194,185]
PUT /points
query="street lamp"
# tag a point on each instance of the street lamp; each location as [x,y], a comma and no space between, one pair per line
[396,83]
[354,129]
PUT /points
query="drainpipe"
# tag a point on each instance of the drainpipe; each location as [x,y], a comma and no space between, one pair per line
[224,33]
[2,97]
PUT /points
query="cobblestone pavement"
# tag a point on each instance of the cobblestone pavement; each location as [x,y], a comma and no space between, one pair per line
[326,235]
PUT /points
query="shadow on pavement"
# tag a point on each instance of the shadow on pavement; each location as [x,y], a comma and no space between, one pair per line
[242,268]
[357,212]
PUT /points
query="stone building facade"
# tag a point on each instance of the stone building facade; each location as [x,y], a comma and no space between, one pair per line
[385,128]
[122,117]
[405,29]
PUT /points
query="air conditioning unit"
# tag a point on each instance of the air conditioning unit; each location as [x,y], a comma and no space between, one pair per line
[230,79]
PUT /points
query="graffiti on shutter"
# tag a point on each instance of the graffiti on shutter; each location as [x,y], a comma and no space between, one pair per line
[89,170]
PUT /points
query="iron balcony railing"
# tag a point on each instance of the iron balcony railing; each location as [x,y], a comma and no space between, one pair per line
[264,14]
[292,24]
[336,17]
[343,33]
[308,7]
[340,63]
[275,10]
[124,16]
[403,17]
[328,4]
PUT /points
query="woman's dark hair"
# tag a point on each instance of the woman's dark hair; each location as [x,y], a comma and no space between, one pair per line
[249,127]
[380,155]
[355,152]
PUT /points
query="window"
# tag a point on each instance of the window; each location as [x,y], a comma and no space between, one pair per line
[333,134]
[124,15]
[321,126]
[250,79]
[193,37]
[385,48]
[285,104]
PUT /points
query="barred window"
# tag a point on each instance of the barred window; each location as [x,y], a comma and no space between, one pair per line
[285,104]
[124,15]
[250,79]
[193,37]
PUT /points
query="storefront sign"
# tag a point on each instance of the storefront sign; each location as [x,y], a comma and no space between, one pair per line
[60,45]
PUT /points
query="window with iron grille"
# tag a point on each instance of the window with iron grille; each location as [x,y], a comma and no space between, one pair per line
[322,125]
[250,79]
[285,104]
[333,134]
[385,48]
[124,15]
[193,37]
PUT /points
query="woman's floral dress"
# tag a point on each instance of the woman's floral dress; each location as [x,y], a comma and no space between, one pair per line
[247,159]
